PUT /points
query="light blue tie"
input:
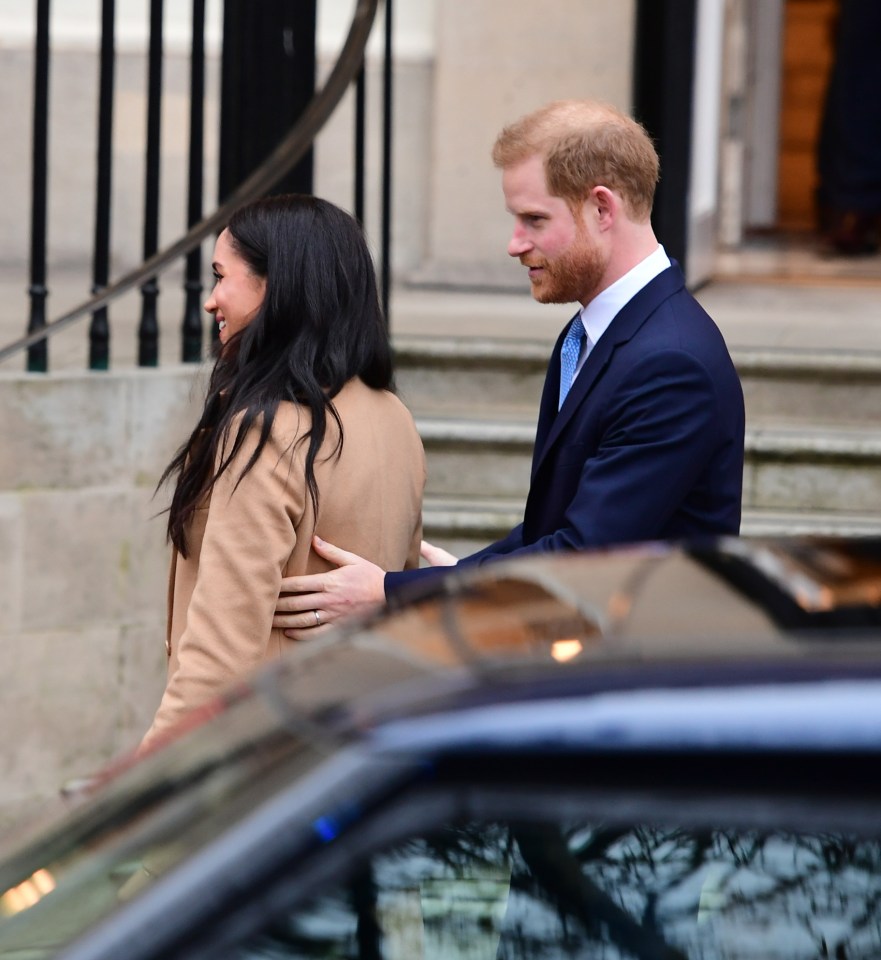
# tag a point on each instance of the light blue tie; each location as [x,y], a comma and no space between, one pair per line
[569,354]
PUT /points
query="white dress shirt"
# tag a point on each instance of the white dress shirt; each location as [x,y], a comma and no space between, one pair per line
[602,310]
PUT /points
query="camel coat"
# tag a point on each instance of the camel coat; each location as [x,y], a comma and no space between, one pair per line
[221,598]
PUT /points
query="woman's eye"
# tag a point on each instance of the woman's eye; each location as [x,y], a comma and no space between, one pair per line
[216,276]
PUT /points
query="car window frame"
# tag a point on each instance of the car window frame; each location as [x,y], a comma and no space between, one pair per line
[450,790]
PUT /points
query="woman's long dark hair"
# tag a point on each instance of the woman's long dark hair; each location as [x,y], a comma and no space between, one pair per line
[320,325]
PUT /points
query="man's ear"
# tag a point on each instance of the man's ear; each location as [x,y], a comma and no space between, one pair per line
[605,206]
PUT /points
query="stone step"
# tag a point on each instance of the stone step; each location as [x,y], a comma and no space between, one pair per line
[836,469]
[472,457]
[463,526]
[807,386]
[793,523]
[787,467]
[463,372]
[811,386]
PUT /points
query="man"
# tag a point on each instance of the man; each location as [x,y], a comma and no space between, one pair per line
[640,428]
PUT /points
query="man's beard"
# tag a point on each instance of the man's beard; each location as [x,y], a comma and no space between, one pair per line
[573,276]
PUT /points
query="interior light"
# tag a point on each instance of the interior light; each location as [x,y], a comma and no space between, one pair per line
[26,894]
[563,650]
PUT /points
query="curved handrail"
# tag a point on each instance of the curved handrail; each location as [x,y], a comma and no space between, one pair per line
[277,164]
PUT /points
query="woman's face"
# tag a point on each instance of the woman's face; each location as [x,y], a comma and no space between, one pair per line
[237,293]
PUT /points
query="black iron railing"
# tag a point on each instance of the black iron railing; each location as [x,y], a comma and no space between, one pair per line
[99,329]
[386,216]
[191,327]
[38,358]
[294,144]
[148,330]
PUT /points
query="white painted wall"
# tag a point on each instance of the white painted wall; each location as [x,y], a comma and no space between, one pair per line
[77,23]
[413,33]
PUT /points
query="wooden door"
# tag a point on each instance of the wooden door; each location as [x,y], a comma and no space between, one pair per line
[809,30]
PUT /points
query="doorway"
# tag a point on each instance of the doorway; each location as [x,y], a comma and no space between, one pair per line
[808,52]
[778,54]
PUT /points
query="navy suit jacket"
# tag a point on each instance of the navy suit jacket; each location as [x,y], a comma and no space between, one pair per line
[648,444]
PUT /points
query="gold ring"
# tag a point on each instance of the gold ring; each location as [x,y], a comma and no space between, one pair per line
[317,618]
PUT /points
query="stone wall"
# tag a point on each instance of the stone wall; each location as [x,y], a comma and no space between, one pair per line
[496,60]
[83,564]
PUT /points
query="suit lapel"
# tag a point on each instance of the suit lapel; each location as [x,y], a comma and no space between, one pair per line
[547,410]
[629,319]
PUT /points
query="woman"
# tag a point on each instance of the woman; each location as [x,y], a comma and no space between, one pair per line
[301,434]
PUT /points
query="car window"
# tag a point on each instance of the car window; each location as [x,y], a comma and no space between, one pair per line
[484,891]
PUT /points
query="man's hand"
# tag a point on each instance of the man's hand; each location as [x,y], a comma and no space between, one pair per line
[308,605]
[436,556]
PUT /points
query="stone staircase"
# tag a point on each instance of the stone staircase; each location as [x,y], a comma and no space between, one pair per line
[813,443]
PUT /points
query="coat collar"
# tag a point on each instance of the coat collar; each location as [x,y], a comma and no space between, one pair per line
[629,319]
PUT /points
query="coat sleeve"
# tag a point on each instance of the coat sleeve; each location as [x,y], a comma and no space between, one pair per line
[250,533]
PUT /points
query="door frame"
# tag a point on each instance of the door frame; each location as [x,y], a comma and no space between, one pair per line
[706,85]
[765,23]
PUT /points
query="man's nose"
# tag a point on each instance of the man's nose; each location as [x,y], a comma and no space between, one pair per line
[518,244]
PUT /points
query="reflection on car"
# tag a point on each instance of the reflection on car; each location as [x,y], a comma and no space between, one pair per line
[654,752]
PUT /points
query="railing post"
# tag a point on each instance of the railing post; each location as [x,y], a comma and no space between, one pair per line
[360,143]
[191,329]
[385,281]
[38,354]
[148,330]
[99,329]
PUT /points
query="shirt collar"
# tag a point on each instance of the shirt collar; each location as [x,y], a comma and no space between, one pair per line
[602,310]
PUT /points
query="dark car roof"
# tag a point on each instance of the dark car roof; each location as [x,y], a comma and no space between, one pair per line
[735,643]
[717,623]
[646,637]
